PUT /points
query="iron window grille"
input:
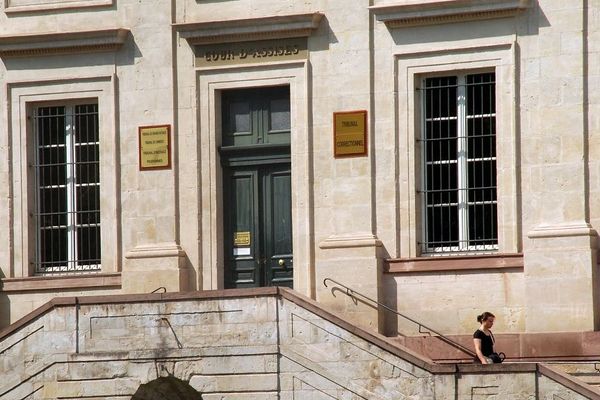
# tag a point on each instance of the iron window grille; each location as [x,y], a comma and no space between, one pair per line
[458,147]
[67,189]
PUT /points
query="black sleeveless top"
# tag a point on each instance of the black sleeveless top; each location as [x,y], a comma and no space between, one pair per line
[487,342]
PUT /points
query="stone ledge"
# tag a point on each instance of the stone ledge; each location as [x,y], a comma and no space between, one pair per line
[241,30]
[62,43]
[75,281]
[445,11]
[155,250]
[565,230]
[455,263]
[350,240]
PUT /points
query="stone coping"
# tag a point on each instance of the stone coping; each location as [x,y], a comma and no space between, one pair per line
[62,282]
[44,44]
[455,263]
[240,30]
[428,12]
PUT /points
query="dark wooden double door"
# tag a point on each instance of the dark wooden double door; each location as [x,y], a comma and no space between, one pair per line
[257,188]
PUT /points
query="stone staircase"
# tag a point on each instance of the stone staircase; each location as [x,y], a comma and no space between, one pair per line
[268,343]
[587,372]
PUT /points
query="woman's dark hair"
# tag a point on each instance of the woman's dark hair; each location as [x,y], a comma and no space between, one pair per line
[485,316]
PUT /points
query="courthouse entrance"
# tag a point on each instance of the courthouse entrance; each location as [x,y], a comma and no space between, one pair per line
[257,213]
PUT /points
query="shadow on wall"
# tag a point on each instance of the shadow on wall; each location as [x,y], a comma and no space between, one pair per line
[166,388]
[4,306]
[525,24]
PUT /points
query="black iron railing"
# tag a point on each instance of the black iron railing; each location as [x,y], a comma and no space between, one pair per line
[422,328]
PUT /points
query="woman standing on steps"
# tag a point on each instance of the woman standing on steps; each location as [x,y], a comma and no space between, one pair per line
[484,340]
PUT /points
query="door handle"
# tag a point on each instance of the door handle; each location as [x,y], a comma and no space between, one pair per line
[281,262]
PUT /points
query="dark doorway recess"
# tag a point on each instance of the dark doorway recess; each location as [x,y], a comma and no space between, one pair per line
[166,388]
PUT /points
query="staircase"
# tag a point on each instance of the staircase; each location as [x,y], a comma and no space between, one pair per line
[268,343]
[587,372]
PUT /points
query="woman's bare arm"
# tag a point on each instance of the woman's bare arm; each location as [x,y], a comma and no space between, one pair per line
[477,343]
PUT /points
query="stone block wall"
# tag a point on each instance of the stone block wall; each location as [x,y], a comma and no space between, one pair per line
[269,344]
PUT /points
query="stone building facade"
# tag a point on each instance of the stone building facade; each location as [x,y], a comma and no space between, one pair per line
[440,157]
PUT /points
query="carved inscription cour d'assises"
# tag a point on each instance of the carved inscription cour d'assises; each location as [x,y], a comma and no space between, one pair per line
[251,52]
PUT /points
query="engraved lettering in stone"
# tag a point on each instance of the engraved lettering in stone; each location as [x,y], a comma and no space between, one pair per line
[244,51]
[227,55]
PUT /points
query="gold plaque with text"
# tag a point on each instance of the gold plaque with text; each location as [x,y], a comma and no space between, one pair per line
[350,133]
[241,239]
[155,147]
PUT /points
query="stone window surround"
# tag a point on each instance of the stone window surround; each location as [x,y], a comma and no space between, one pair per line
[411,68]
[210,82]
[21,97]
[16,6]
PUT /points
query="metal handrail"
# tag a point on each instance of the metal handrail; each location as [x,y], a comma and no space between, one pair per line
[351,293]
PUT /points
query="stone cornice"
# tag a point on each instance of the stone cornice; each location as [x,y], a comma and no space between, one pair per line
[239,30]
[62,43]
[445,11]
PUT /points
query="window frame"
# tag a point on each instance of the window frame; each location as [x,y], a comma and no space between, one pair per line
[462,165]
[73,260]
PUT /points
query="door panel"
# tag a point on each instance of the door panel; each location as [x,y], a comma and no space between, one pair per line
[258,230]
[278,226]
[256,116]
[241,218]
